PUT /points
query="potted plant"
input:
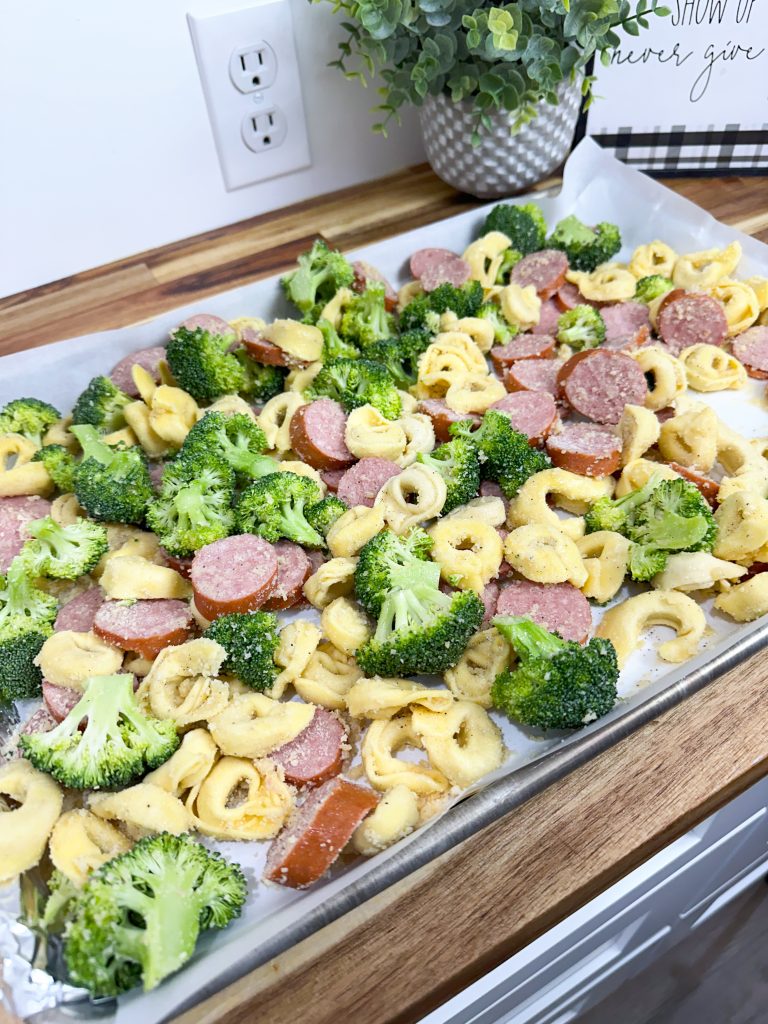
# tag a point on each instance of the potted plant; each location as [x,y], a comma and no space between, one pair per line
[499,88]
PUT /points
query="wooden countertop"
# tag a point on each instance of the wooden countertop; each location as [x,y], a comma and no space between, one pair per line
[404,952]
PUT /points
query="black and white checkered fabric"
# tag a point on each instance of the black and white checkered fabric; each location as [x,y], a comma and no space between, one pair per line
[678,151]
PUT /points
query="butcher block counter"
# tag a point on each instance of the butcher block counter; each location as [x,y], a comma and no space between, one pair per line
[402,953]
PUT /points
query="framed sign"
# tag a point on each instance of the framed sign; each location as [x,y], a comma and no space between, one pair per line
[689,95]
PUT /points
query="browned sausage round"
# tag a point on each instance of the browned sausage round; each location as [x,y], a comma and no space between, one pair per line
[434,267]
[235,574]
[145,627]
[524,346]
[293,570]
[148,358]
[207,322]
[15,513]
[317,435]
[442,417]
[751,348]
[709,488]
[533,413]
[558,607]
[690,319]
[59,700]
[550,314]
[261,350]
[545,270]
[586,449]
[361,483]
[79,613]
[598,384]
[533,375]
[316,754]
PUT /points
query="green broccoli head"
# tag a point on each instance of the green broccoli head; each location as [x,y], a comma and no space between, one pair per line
[23,606]
[250,640]
[276,505]
[389,561]
[60,465]
[20,678]
[503,331]
[194,506]
[138,917]
[581,327]
[63,552]
[423,312]
[505,454]
[324,514]
[646,561]
[652,287]
[118,745]
[420,630]
[236,439]
[335,347]
[111,483]
[509,259]
[203,365]
[585,247]
[524,225]
[400,356]
[356,382]
[29,417]
[365,318]
[261,382]
[556,683]
[319,275]
[101,405]
[458,463]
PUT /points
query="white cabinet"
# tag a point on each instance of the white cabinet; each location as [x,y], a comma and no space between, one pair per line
[575,965]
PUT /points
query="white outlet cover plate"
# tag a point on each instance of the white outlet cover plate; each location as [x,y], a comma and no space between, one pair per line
[215,39]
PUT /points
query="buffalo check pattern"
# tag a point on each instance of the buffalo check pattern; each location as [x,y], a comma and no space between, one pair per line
[677,151]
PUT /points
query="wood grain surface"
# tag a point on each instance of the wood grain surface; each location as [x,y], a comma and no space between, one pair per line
[404,952]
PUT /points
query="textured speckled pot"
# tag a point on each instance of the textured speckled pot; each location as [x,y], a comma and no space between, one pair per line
[502,163]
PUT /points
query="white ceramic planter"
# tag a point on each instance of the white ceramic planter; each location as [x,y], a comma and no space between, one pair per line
[503,162]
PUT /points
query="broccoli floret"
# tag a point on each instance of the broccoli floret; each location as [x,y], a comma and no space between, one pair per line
[356,382]
[60,465]
[235,439]
[62,891]
[387,561]
[63,552]
[324,514]
[203,365]
[458,463]
[645,562]
[138,917]
[250,640]
[29,417]
[509,259]
[586,248]
[581,327]
[275,506]
[20,678]
[319,275]
[23,606]
[652,287]
[335,347]
[420,630]
[101,405]
[503,331]
[118,745]
[400,356]
[261,382]
[505,454]
[524,225]
[111,483]
[556,683]
[365,318]
[194,506]
[423,313]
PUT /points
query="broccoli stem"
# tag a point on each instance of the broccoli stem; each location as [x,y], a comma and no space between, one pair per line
[527,637]
[171,921]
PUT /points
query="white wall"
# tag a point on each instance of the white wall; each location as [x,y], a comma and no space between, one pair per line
[106,145]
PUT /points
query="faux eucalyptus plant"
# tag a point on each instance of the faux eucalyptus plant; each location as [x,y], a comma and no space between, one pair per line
[499,58]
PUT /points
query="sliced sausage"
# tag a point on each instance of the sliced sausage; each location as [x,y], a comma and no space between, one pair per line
[533,375]
[624,319]
[235,574]
[586,449]
[41,721]
[490,489]
[545,270]
[434,267]
[550,314]
[144,627]
[15,513]
[598,384]
[316,559]
[690,319]
[524,346]
[182,564]
[751,349]
[316,754]
[361,483]
[207,322]
[365,273]
[79,613]
[332,477]
[317,435]
[293,570]
[709,488]
[533,413]
[568,297]
[559,607]
[263,351]
[627,342]
[490,598]
[59,700]
[442,417]
[317,833]
[147,358]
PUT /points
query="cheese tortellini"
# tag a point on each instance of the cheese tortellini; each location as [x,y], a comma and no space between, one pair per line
[328,677]
[377,697]
[30,804]
[544,554]
[625,623]
[710,368]
[254,725]
[468,551]
[486,656]
[382,741]
[463,742]
[242,799]
[69,659]
[81,842]
[183,683]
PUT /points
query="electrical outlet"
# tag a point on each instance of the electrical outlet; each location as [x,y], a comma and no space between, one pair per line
[249,71]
